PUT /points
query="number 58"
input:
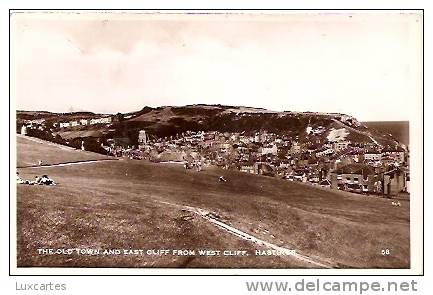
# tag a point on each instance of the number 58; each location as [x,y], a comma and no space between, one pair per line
[385,252]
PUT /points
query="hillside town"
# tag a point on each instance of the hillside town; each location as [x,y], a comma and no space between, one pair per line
[316,156]
[335,163]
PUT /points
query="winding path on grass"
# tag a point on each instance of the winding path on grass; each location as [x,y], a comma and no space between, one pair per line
[245,236]
[68,163]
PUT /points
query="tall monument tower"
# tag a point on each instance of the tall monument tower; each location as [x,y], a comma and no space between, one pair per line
[24,130]
[142,137]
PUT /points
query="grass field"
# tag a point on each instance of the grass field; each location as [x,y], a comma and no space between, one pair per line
[30,150]
[138,205]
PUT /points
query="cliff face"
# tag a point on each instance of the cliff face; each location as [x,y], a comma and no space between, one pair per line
[308,126]
[170,120]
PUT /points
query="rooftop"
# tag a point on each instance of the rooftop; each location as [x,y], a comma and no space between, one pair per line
[356,168]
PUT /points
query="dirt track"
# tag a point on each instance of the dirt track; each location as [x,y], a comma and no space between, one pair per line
[68,163]
[245,236]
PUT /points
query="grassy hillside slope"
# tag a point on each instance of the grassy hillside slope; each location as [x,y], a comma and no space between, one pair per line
[30,150]
[123,204]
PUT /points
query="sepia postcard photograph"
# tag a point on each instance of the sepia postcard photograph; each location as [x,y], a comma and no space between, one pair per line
[216,142]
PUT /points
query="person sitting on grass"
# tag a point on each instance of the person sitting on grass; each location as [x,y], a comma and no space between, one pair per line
[20,180]
[45,180]
[36,181]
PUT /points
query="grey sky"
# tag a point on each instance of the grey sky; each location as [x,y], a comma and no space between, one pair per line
[366,65]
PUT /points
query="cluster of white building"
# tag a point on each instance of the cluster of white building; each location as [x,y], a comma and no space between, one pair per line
[85,122]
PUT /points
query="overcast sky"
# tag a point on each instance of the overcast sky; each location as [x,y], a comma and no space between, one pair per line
[365,65]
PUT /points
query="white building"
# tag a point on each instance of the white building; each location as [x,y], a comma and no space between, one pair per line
[296,148]
[142,137]
[397,154]
[225,147]
[341,145]
[24,130]
[324,152]
[64,124]
[269,150]
[372,156]
[37,121]
[247,169]
[104,120]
